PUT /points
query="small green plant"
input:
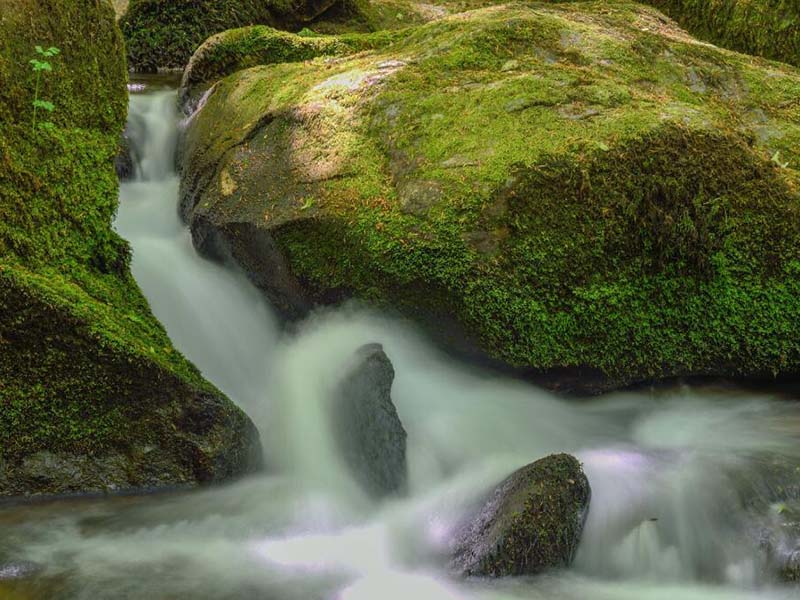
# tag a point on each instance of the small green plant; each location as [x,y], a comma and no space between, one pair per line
[40,66]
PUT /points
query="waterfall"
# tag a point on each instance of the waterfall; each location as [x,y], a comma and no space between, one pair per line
[676,474]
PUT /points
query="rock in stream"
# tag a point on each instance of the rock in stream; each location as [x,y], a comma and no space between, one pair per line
[366,426]
[531,522]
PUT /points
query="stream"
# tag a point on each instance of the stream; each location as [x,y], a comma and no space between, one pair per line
[689,484]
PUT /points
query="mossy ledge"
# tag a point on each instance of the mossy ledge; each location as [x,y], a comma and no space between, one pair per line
[594,196]
[236,49]
[768,28]
[163,34]
[93,397]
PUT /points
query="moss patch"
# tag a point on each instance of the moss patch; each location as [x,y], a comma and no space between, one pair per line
[165,33]
[769,28]
[237,49]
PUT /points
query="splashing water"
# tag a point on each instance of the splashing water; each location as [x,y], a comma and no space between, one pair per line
[678,476]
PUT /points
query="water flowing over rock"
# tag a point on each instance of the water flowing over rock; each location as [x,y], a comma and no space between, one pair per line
[366,426]
[530,523]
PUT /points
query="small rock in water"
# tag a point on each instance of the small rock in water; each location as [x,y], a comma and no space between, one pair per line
[531,522]
[366,426]
[124,162]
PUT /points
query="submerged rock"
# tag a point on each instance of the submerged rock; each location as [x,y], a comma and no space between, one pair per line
[530,523]
[93,396]
[366,426]
[550,181]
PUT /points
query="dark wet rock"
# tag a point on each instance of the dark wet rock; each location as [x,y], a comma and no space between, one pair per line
[254,250]
[366,426]
[125,161]
[770,491]
[780,540]
[530,523]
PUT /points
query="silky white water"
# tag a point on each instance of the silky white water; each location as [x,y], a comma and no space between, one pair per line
[679,477]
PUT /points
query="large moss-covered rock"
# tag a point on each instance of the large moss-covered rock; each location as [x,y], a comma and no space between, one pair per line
[165,33]
[237,49]
[530,523]
[769,28]
[582,189]
[93,397]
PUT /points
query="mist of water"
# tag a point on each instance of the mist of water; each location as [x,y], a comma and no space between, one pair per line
[677,476]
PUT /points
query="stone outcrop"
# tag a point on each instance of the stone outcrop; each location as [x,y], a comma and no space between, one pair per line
[583,190]
[93,397]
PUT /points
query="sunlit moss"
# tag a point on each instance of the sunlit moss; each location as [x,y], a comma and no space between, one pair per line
[580,185]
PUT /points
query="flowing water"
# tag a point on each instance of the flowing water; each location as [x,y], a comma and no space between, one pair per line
[687,483]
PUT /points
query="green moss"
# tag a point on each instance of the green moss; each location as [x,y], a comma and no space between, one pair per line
[165,33]
[351,16]
[581,186]
[85,369]
[78,368]
[769,28]
[246,47]
[79,102]
[531,522]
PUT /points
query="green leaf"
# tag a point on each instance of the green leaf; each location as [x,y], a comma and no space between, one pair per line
[39,49]
[44,104]
[53,50]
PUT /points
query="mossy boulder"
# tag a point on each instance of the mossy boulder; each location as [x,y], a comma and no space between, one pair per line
[236,49]
[769,28]
[532,522]
[163,34]
[93,397]
[582,191]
